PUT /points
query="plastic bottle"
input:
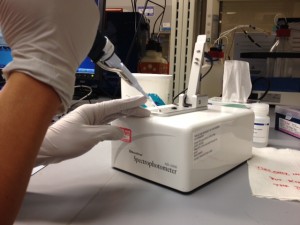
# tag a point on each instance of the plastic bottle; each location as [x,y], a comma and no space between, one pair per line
[261,124]
[153,61]
[211,84]
[281,66]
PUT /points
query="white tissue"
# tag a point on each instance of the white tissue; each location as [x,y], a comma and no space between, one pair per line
[236,81]
[275,173]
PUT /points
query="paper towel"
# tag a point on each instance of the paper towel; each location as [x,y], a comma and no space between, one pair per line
[236,81]
[275,173]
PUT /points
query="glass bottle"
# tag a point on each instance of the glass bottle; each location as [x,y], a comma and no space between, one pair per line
[153,60]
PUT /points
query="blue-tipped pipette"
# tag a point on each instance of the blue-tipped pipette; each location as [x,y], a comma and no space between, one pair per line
[103,54]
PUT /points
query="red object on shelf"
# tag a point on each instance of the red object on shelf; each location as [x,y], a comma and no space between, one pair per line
[114,9]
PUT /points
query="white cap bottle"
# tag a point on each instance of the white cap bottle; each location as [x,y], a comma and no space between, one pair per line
[261,124]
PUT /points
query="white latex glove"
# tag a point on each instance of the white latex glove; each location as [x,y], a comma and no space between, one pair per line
[80,130]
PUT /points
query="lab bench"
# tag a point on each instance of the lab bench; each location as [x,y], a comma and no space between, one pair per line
[87,190]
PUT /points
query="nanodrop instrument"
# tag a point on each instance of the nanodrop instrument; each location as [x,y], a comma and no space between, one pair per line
[187,145]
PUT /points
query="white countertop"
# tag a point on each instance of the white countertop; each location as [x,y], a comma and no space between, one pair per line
[86,190]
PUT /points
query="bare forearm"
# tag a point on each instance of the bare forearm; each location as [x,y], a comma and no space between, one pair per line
[26,108]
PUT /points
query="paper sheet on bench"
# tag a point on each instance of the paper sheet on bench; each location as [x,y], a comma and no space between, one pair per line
[275,173]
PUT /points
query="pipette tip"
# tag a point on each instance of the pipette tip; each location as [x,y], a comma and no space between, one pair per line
[153,103]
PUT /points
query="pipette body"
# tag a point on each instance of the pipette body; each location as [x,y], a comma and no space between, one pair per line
[103,54]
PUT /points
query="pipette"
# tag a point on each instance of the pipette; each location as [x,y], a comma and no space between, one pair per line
[103,54]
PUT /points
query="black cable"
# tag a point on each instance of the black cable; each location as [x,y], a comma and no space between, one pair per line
[160,15]
[251,39]
[267,89]
[135,34]
[206,55]
[163,14]
[135,4]
[153,30]
[178,95]
[132,6]
[157,4]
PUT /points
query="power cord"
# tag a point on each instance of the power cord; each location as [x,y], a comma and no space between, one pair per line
[267,89]
[161,15]
[206,55]
[89,92]
[226,34]
[135,34]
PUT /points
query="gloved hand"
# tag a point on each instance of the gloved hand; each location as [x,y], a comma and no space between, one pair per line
[80,130]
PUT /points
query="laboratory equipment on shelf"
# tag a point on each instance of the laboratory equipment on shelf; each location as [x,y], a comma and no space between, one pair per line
[153,60]
[281,66]
[185,145]
[212,73]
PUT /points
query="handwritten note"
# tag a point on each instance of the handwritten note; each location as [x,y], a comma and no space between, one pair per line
[275,173]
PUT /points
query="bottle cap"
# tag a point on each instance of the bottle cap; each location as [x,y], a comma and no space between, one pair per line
[216,53]
[154,45]
[260,109]
[283,31]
